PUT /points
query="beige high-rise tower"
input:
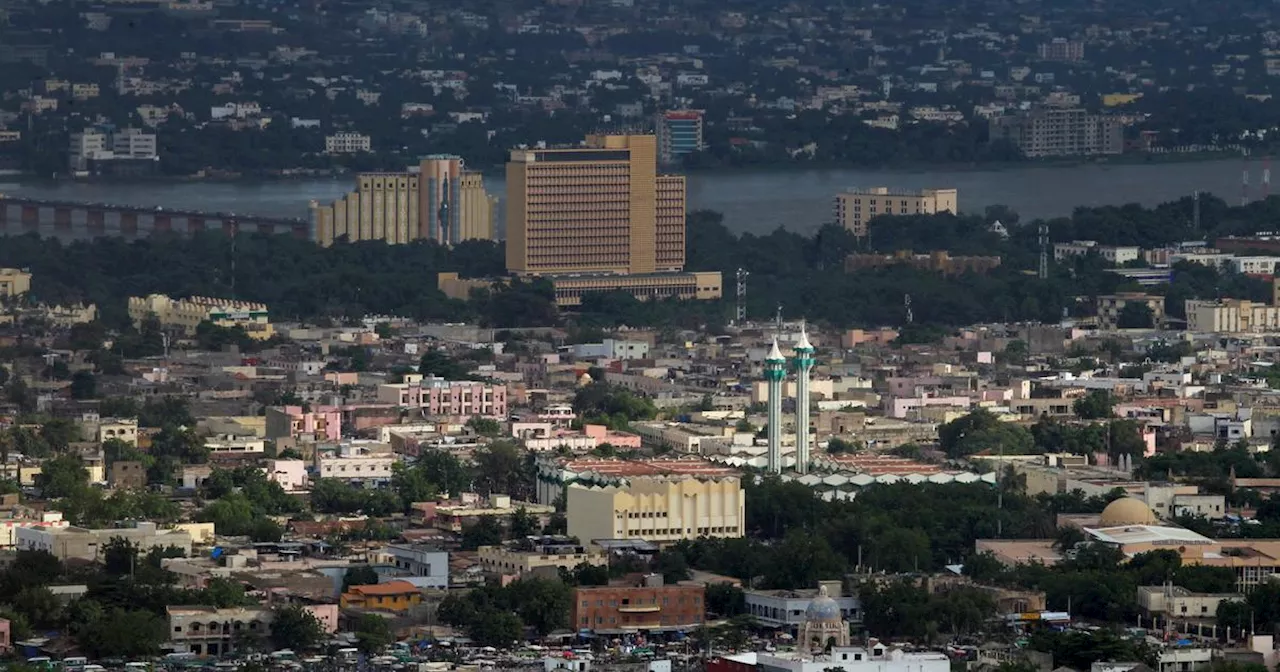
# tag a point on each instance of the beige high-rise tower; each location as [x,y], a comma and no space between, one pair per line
[599,208]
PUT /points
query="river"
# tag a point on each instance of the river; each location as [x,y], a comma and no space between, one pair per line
[752,201]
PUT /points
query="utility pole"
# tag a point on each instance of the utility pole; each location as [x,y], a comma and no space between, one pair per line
[1044,251]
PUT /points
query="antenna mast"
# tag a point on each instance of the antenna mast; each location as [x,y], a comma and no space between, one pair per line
[1044,251]
[1244,183]
[742,295]
[1195,210]
[906,302]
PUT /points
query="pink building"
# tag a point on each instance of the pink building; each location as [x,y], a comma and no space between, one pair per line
[6,639]
[458,398]
[322,423]
[620,440]
[290,474]
[327,614]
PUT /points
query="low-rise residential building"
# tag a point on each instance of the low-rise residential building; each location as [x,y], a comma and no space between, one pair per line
[437,396]
[397,596]
[119,429]
[67,542]
[355,463]
[423,566]
[320,423]
[208,631]
[10,526]
[659,510]
[1179,603]
[290,474]
[471,508]
[563,553]
[236,445]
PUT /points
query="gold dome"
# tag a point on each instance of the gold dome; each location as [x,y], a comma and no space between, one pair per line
[1126,511]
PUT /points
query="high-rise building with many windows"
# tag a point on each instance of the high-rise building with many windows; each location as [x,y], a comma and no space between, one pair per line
[598,217]
[679,134]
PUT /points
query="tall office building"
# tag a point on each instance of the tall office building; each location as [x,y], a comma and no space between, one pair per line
[679,134]
[441,201]
[598,217]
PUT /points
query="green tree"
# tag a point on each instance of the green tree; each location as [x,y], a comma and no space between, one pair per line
[1136,315]
[84,385]
[485,426]
[62,476]
[124,633]
[373,633]
[487,531]
[295,628]
[981,431]
[523,524]
[359,575]
[1094,404]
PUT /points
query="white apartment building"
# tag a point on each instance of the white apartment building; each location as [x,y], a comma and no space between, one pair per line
[237,445]
[1112,254]
[346,143]
[355,463]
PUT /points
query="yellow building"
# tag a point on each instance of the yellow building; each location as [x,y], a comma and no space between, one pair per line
[441,201]
[14,282]
[1111,305]
[701,286]
[855,207]
[506,560]
[1118,99]
[1231,316]
[598,208]
[389,596]
[187,314]
[384,206]
[660,510]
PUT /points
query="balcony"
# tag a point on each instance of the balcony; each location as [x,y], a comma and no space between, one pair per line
[639,609]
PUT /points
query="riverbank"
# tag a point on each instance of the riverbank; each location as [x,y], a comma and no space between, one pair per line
[345,176]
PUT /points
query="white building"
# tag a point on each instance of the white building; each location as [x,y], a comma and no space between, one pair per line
[613,349]
[354,462]
[423,566]
[237,445]
[9,529]
[786,608]
[877,658]
[346,143]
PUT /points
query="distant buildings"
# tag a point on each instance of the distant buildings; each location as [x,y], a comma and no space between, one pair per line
[679,135]
[1052,131]
[554,552]
[14,282]
[127,151]
[397,596]
[346,143]
[1061,49]
[440,202]
[657,509]
[938,261]
[316,424]
[855,207]
[1117,255]
[187,314]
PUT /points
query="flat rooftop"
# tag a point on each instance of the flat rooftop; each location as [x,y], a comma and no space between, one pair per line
[667,467]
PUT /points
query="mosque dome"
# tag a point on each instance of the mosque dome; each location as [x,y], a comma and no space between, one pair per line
[1126,511]
[823,609]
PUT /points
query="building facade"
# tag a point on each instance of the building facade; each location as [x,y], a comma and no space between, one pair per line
[397,596]
[436,396]
[1111,305]
[14,282]
[652,607]
[321,423]
[213,632]
[1231,316]
[1061,49]
[1054,131]
[514,561]
[187,314]
[86,544]
[679,135]
[439,201]
[660,510]
[346,143]
[588,209]
[855,207]
[423,566]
